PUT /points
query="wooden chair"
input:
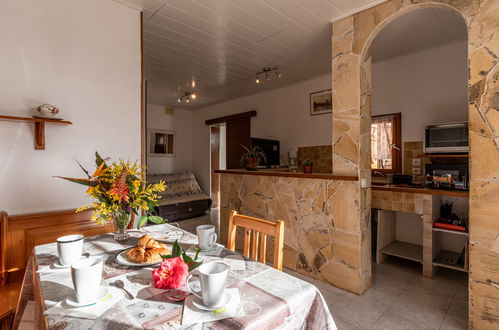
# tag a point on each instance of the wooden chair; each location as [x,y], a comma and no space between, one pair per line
[256,230]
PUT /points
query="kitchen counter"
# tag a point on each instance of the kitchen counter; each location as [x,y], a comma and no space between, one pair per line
[418,189]
[287,174]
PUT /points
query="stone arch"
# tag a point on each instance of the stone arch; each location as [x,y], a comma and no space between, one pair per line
[351,40]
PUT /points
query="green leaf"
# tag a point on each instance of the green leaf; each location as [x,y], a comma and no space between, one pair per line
[99,160]
[142,220]
[166,256]
[84,170]
[176,250]
[156,219]
[186,258]
[194,265]
[197,254]
[85,182]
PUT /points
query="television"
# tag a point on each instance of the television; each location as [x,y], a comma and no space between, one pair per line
[271,149]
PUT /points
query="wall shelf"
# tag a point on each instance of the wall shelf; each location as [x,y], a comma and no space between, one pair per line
[446,155]
[404,250]
[455,267]
[39,127]
[464,233]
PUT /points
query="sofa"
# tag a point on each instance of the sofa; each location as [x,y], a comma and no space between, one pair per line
[183,197]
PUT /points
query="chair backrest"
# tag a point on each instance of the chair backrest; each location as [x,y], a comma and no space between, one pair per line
[3,246]
[255,234]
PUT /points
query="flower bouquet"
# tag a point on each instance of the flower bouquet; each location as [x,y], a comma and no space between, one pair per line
[119,191]
[174,269]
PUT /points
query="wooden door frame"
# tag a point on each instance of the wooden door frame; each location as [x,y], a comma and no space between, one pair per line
[215,165]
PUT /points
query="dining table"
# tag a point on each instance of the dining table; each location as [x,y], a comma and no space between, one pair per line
[267,298]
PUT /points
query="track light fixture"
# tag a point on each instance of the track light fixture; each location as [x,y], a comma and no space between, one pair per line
[187,97]
[267,72]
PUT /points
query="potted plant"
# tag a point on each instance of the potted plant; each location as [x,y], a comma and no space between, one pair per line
[307,166]
[252,157]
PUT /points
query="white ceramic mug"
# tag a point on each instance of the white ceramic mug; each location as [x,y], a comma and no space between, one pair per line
[87,276]
[213,279]
[206,236]
[69,249]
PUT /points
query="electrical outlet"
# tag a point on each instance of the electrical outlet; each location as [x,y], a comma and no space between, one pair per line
[416,162]
[416,171]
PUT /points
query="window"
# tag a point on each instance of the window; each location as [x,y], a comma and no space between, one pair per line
[385,144]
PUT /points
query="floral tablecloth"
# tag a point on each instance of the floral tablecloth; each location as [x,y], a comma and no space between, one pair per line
[270,299]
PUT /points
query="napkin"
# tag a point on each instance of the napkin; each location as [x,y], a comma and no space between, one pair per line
[89,312]
[191,314]
[52,269]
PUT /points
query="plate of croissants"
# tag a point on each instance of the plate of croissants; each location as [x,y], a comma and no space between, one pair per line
[148,252]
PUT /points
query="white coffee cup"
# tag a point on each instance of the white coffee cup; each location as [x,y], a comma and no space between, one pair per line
[87,276]
[213,279]
[206,236]
[69,249]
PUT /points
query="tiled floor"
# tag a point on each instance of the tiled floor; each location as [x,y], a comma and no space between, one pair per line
[400,298]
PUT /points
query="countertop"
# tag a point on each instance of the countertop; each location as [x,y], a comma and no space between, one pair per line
[287,174]
[419,190]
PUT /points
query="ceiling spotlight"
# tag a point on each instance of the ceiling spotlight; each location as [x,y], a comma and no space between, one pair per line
[186,96]
[267,71]
[193,84]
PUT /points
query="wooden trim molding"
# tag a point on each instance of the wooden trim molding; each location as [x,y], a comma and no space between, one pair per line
[291,175]
[225,119]
[3,247]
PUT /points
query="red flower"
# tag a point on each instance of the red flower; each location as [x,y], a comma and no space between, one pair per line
[171,274]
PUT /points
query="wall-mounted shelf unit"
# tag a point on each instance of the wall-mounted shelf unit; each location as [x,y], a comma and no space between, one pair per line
[39,127]
[446,155]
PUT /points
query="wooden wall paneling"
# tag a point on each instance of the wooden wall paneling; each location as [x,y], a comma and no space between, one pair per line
[238,133]
[27,231]
[215,165]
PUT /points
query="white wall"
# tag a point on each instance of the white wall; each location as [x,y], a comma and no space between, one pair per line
[181,123]
[282,114]
[84,57]
[427,87]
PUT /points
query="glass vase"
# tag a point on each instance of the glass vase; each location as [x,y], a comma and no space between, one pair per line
[121,221]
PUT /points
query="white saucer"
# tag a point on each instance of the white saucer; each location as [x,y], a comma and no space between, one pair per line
[73,302]
[198,303]
[212,248]
[58,264]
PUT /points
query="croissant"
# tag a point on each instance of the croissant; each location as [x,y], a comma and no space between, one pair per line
[153,255]
[148,251]
[147,242]
[136,254]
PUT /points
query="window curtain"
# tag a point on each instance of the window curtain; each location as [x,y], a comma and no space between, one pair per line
[382,135]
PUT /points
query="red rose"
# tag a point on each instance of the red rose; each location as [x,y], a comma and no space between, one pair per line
[171,274]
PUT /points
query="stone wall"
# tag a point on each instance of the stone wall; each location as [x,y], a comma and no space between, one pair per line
[316,243]
[351,64]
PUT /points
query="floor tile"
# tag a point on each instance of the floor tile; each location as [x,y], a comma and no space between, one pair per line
[424,307]
[393,321]
[342,325]
[361,311]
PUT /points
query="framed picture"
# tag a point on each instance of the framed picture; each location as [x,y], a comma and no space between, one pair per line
[321,102]
[160,143]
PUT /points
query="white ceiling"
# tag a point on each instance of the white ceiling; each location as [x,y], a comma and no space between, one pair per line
[418,30]
[221,44]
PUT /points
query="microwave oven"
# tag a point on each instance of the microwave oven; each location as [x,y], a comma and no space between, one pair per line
[446,138]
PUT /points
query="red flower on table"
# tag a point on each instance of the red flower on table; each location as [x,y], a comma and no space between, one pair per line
[171,274]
